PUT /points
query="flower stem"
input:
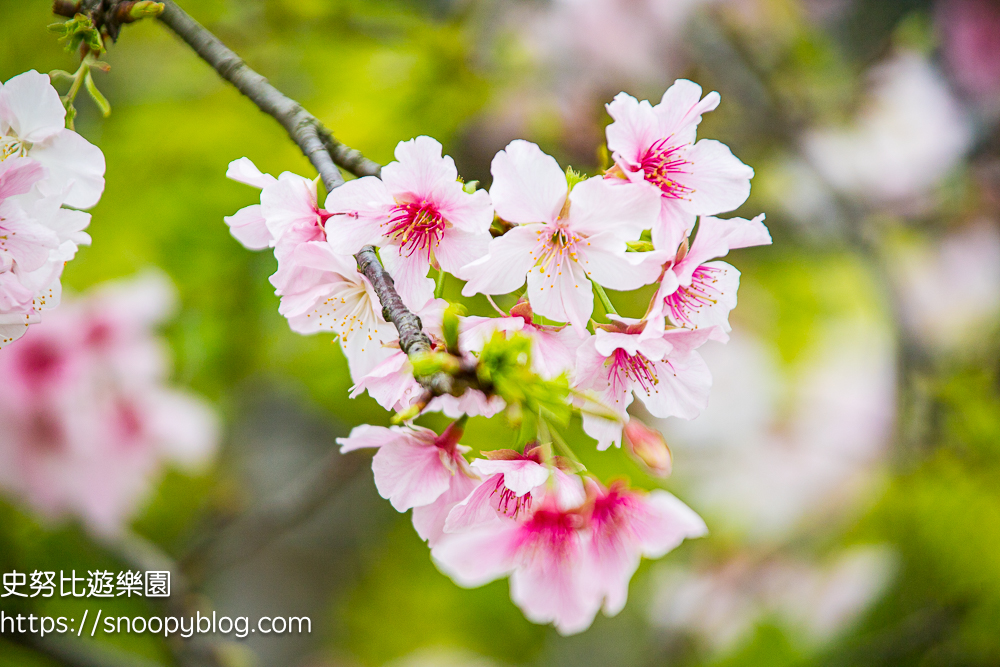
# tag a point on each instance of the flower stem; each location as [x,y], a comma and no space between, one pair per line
[560,443]
[605,301]
[439,284]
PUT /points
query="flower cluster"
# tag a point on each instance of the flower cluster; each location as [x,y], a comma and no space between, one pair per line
[556,240]
[87,417]
[44,168]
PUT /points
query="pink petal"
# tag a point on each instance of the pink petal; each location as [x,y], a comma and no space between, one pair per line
[503,270]
[479,556]
[562,293]
[246,172]
[459,248]
[476,510]
[520,476]
[634,130]
[613,206]
[420,168]
[680,110]
[528,185]
[719,181]
[31,107]
[670,523]
[18,175]
[73,163]
[409,272]
[429,520]
[409,472]
[360,211]
[683,387]
[247,226]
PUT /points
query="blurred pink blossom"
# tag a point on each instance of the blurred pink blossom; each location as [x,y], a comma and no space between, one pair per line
[722,604]
[911,133]
[89,419]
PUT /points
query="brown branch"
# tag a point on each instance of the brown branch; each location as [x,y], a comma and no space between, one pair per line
[326,155]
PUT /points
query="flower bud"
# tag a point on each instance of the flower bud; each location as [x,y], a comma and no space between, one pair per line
[648,447]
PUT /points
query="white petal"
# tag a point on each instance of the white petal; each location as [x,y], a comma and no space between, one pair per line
[528,185]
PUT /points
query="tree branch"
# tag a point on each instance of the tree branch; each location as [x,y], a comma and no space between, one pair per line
[326,154]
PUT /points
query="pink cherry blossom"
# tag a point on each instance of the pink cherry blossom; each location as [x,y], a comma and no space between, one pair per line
[319,289]
[511,483]
[546,557]
[33,124]
[638,357]
[656,144]
[698,294]
[626,525]
[417,468]
[88,417]
[37,238]
[561,239]
[553,348]
[418,213]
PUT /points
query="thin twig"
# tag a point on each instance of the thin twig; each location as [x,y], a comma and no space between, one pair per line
[325,153]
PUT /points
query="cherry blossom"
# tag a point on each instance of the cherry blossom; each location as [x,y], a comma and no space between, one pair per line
[88,417]
[37,238]
[695,293]
[511,483]
[320,290]
[656,144]
[562,238]
[626,525]
[417,468]
[418,213]
[33,124]
[661,367]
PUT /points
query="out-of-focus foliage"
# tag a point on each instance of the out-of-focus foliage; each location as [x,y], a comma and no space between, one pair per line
[475,75]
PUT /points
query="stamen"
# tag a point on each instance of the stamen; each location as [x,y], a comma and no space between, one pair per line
[687,302]
[661,166]
[416,226]
[506,497]
[627,369]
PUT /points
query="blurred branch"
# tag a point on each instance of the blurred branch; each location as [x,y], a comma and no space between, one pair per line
[326,154]
[249,534]
[73,652]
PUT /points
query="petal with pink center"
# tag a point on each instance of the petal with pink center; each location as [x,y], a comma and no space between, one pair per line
[360,214]
[31,107]
[718,180]
[706,302]
[634,130]
[561,292]
[528,185]
[503,270]
[551,585]
[623,209]
[419,169]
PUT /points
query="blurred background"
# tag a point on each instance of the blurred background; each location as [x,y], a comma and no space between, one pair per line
[847,465]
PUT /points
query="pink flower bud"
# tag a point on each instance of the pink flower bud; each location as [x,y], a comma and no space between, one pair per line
[648,447]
